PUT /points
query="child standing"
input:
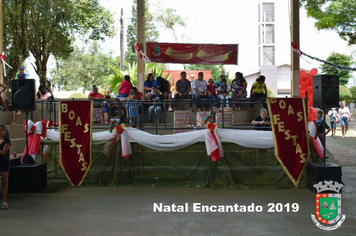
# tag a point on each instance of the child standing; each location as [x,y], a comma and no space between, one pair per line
[4,162]
[117,114]
[259,90]
[132,111]
[106,109]
[224,92]
[156,107]
[211,87]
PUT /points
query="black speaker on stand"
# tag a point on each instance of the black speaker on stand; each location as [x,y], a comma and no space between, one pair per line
[325,91]
[24,99]
[325,96]
[23,94]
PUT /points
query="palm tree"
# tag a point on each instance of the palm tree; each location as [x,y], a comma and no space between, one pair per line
[118,76]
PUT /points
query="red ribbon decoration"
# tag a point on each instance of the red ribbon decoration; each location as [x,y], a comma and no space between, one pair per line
[138,48]
[296,49]
[215,155]
[33,129]
[211,126]
[3,57]
[119,130]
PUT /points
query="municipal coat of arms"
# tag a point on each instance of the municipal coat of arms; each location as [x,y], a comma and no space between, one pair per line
[156,50]
[328,205]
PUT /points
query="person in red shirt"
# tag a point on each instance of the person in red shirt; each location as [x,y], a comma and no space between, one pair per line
[138,95]
[95,95]
[125,87]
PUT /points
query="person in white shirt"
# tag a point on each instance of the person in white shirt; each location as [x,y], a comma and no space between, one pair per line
[199,86]
[345,118]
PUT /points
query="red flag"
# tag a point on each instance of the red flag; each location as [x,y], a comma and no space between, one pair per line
[290,132]
[75,139]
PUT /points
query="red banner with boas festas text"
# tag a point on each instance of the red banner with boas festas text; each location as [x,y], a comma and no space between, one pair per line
[75,139]
[192,53]
[290,135]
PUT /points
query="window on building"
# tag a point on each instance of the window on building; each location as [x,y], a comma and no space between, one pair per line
[268,12]
[268,55]
[269,31]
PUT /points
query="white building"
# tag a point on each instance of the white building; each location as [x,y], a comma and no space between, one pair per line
[273,52]
[274,48]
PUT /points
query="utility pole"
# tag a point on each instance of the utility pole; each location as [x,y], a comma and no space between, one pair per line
[141,41]
[122,40]
[295,61]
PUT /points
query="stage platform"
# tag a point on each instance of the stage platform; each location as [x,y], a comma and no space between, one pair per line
[240,168]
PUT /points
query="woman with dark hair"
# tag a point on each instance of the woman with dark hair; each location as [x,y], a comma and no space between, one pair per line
[41,89]
[47,93]
[238,88]
[125,87]
[165,89]
[150,84]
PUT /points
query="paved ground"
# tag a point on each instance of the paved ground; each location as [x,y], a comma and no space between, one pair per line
[129,210]
[344,149]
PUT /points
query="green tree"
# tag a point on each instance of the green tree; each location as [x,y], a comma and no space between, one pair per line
[344,93]
[83,69]
[338,59]
[338,15]
[15,37]
[169,19]
[353,94]
[48,27]
[166,17]
[151,33]
[216,70]
[118,76]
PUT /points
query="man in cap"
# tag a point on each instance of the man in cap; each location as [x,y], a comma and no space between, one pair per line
[22,74]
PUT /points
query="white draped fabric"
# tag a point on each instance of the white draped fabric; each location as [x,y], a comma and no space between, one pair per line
[165,142]
[246,138]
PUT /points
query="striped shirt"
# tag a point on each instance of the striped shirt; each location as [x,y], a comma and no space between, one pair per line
[132,107]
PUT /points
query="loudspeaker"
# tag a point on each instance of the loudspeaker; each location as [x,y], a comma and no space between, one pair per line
[319,172]
[27,178]
[325,91]
[23,94]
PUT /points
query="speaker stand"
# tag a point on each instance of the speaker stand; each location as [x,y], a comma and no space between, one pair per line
[27,159]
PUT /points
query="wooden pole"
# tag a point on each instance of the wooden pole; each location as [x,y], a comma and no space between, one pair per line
[141,41]
[295,62]
[1,44]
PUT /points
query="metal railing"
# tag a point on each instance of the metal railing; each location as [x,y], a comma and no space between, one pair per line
[49,110]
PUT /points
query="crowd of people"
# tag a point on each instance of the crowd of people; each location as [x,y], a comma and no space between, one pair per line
[220,94]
